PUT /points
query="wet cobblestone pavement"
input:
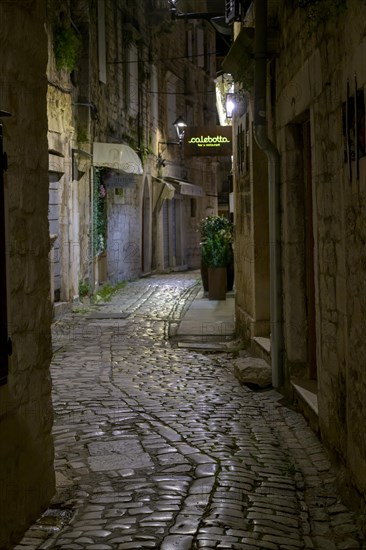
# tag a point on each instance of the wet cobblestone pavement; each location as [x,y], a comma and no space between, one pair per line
[161,447]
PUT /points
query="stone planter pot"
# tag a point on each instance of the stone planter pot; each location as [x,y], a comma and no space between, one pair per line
[217,283]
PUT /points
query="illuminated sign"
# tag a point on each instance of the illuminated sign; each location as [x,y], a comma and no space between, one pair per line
[208,141]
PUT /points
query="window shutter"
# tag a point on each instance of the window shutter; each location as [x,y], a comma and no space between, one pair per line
[232,10]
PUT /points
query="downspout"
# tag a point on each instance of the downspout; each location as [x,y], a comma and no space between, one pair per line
[264,143]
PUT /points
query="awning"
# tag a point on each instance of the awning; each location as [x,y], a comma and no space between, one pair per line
[239,59]
[117,156]
[162,192]
[185,187]
[167,191]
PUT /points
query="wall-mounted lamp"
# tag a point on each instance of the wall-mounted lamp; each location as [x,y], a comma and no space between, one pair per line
[230,105]
[179,125]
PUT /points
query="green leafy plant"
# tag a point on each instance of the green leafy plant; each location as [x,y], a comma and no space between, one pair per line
[99,214]
[66,46]
[85,288]
[216,241]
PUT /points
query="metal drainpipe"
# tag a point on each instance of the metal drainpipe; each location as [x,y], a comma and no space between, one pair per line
[264,143]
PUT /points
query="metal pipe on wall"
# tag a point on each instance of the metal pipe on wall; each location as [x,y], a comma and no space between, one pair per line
[264,143]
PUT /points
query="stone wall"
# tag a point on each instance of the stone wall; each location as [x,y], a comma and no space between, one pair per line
[313,67]
[26,450]
[251,232]
[69,143]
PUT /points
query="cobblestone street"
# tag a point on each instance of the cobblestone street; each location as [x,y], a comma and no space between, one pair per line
[158,446]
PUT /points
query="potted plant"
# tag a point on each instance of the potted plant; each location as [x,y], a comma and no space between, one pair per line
[217,254]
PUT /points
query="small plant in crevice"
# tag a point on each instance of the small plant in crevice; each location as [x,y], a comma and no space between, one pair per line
[85,288]
[105,293]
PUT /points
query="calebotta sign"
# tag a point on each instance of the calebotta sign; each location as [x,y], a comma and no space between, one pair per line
[208,141]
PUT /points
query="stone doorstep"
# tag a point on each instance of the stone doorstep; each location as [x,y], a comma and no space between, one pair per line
[305,393]
[261,347]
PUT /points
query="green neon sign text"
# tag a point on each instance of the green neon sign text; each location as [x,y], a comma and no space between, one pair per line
[209,141]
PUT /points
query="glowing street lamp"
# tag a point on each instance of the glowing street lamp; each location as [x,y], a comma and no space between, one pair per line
[230,105]
[180,124]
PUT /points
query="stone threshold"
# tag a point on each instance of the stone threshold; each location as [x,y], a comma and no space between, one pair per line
[306,398]
[261,347]
[307,390]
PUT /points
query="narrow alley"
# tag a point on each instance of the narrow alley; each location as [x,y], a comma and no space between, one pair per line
[157,446]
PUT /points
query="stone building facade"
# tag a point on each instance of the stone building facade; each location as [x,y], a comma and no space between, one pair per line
[26,450]
[81,80]
[110,220]
[315,116]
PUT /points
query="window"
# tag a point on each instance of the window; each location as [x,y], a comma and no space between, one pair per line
[171,89]
[200,48]
[232,10]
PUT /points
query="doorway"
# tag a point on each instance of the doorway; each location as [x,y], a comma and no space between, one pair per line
[309,253]
[299,251]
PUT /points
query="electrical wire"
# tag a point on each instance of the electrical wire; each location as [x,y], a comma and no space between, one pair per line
[165,58]
[182,93]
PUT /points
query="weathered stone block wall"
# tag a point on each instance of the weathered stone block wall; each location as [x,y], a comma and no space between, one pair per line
[251,235]
[244,245]
[60,135]
[26,450]
[68,125]
[312,74]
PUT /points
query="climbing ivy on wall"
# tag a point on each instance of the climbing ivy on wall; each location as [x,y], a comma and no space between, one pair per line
[99,214]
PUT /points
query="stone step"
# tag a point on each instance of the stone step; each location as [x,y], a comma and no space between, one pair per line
[306,398]
[261,347]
